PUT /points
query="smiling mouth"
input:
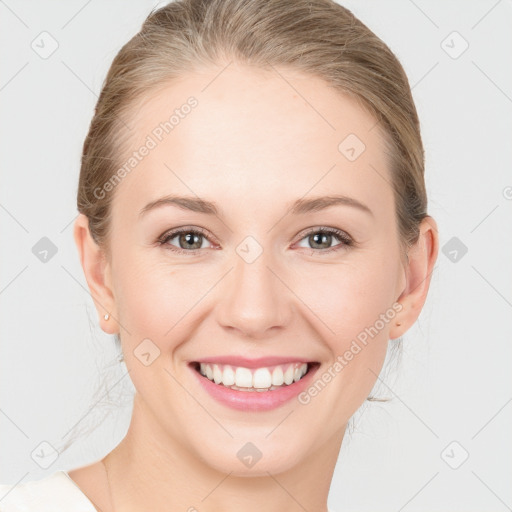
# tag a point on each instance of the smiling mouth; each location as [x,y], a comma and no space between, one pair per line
[266,378]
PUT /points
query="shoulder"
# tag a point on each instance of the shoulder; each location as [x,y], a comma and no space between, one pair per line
[54,492]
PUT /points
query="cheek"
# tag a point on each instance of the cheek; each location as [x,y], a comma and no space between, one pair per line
[157,300]
[351,297]
[353,307]
[354,304]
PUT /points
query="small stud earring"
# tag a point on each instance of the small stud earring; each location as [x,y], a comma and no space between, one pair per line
[398,324]
[107,316]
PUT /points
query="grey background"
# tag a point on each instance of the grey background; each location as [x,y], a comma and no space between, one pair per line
[451,394]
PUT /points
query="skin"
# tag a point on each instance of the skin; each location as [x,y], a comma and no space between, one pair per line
[252,145]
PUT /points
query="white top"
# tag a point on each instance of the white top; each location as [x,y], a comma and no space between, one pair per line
[54,493]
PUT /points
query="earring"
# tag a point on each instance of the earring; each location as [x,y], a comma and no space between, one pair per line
[398,324]
[107,316]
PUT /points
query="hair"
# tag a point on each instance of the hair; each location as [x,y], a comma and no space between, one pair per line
[319,38]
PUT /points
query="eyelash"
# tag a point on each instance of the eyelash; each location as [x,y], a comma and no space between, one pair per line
[340,235]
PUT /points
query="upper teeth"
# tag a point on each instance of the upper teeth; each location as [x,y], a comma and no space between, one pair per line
[259,378]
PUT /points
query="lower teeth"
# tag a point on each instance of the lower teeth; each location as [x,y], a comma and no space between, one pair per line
[236,388]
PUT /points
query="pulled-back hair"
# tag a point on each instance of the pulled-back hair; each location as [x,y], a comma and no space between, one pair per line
[316,37]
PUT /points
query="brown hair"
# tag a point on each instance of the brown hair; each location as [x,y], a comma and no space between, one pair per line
[319,37]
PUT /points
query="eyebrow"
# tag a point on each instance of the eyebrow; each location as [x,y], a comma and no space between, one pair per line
[298,207]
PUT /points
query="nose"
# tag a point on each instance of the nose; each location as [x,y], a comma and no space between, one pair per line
[255,299]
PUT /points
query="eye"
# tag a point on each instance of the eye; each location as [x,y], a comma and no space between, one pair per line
[321,238]
[190,240]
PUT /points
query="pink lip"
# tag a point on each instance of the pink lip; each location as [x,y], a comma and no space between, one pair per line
[252,363]
[255,400]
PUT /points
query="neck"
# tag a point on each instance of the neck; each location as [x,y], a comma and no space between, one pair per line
[150,470]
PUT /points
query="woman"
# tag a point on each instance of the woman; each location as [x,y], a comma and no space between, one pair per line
[253,226]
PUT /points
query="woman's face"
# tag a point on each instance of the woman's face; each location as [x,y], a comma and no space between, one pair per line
[260,280]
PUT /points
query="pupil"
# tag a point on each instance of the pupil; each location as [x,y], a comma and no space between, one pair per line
[190,236]
[321,235]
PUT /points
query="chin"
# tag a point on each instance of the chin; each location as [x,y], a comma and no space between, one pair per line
[251,459]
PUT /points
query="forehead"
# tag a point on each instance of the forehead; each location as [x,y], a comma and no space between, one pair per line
[263,135]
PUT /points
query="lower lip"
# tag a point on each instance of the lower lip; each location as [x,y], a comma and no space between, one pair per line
[255,400]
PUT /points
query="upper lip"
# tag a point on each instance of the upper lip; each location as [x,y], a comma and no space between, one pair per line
[252,363]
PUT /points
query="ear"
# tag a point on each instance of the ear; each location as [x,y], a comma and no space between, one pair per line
[421,260]
[97,273]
